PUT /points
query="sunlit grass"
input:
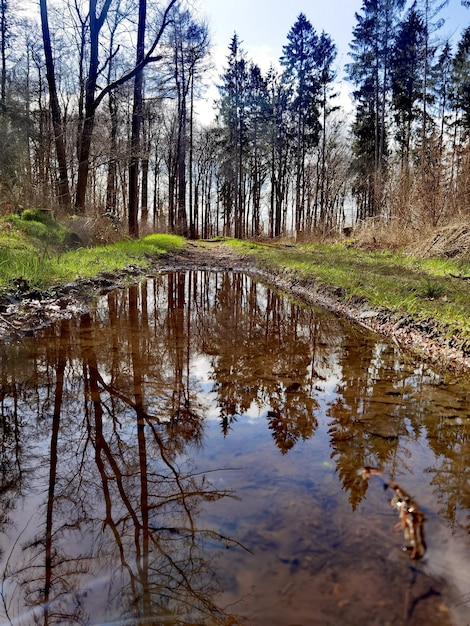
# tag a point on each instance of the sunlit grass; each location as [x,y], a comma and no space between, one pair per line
[425,288]
[88,261]
[35,251]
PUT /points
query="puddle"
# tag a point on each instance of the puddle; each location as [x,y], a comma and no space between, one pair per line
[190,453]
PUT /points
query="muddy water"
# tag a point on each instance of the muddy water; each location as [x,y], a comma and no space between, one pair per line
[190,452]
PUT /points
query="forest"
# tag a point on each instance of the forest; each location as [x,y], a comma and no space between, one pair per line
[99,119]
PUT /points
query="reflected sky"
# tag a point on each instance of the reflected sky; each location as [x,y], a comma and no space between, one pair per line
[190,452]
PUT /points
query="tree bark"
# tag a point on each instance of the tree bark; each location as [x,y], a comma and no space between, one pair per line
[59,135]
[133,221]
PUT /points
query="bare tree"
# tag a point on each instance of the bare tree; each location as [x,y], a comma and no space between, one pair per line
[93,95]
[64,188]
[188,41]
[137,124]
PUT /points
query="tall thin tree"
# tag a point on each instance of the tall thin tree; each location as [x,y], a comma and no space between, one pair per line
[65,199]
[137,115]
[370,73]
[299,61]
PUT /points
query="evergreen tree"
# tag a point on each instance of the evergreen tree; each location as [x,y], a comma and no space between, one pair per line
[430,191]
[443,80]
[460,76]
[430,10]
[460,104]
[300,61]
[233,118]
[407,79]
[370,73]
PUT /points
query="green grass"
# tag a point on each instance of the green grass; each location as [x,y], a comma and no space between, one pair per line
[110,258]
[40,227]
[425,288]
[36,248]
[33,247]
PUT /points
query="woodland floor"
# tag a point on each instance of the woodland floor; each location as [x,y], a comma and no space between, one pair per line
[25,313]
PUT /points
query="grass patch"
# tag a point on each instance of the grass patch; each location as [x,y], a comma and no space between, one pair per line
[33,248]
[40,226]
[110,258]
[426,288]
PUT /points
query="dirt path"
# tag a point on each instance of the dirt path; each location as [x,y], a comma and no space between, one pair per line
[23,314]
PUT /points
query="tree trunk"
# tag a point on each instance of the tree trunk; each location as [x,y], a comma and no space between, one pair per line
[3,35]
[136,126]
[96,23]
[182,221]
[111,182]
[59,135]
[144,192]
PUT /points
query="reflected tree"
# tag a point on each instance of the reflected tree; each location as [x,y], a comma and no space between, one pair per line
[265,355]
[11,446]
[362,431]
[107,409]
[449,438]
[150,549]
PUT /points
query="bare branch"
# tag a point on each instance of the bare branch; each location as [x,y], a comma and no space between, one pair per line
[149,58]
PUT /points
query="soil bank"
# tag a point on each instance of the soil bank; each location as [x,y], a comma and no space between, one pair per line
[24,313]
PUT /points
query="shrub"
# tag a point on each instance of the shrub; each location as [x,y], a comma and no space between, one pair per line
[41,225]
[38,215]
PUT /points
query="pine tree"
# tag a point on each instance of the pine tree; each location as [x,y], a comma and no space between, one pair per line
[407,80]
[370,73]
[430,10]
[233,111]
[300,61]
[460,76]
[460,104]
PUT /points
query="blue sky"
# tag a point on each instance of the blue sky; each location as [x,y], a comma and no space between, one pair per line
[263,25]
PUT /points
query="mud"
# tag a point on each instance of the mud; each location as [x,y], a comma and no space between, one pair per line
[25,312]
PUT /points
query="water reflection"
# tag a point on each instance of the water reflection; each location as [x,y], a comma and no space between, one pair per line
[116,496]
[115,518]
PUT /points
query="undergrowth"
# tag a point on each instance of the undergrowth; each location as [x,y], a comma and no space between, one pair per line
[39,252]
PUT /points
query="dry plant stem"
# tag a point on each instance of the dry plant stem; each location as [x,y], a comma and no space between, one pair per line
[411,519]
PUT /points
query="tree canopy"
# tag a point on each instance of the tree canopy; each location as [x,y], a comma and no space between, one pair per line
[99,117]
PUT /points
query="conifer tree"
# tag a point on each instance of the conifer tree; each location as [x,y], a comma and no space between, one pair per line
[460,104]
[233,117]
[430,10]
[407,80]
[301,77]
[370,73]
[461,82]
